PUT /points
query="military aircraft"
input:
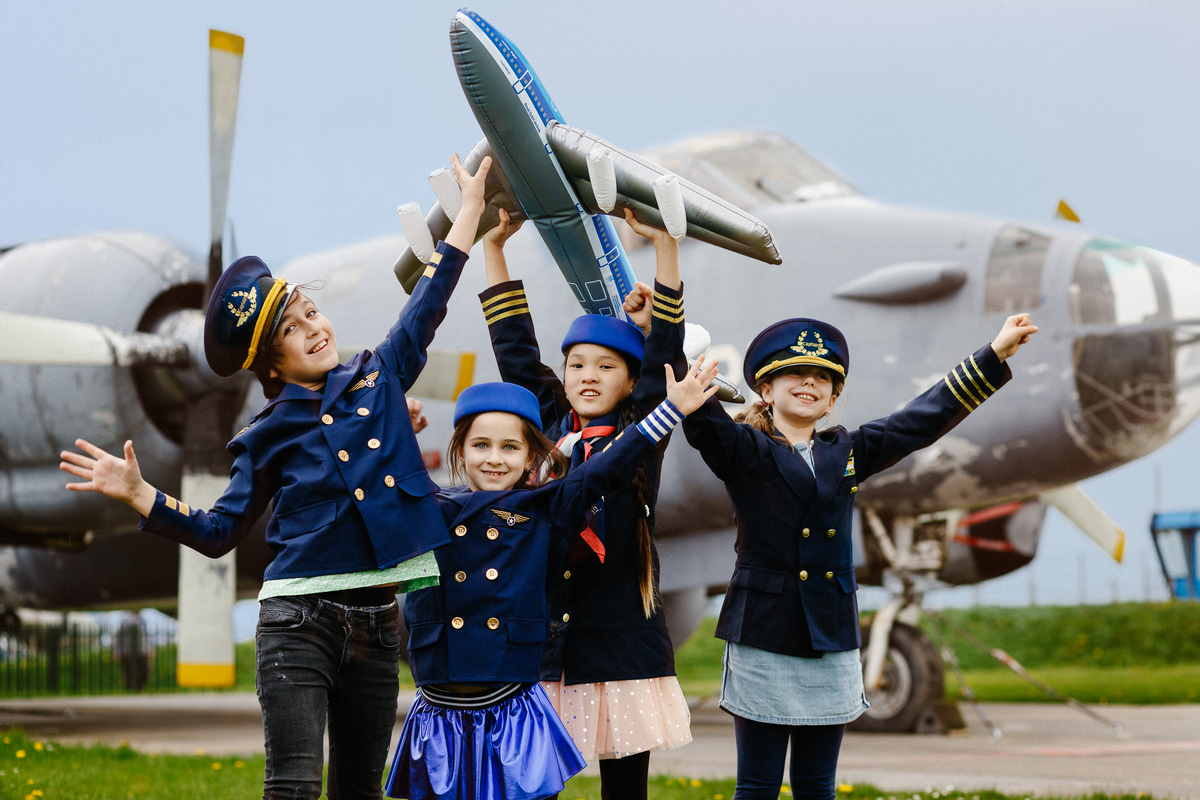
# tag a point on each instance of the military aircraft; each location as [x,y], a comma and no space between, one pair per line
[1114,373]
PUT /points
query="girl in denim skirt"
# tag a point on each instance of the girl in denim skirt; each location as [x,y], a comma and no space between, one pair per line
[790,617]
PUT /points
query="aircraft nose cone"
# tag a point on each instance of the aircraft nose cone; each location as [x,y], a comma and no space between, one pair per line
[1137,355]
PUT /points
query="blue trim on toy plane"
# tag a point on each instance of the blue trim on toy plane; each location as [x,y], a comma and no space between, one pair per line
[611,261]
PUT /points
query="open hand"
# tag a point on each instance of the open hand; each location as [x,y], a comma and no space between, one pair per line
[419,420]
[657,235]
[499,235]
[472,185]
[691,392]
[1016,331]
[638,306]
[118,478]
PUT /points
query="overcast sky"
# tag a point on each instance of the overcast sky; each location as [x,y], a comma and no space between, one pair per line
[993,108]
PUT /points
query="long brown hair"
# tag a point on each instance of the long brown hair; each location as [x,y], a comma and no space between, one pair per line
[629,414]
[547,465]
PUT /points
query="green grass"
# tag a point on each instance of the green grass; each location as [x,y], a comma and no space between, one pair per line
[1121,653]
[39,770]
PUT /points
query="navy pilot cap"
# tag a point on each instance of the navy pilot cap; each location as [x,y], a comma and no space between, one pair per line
[497,396]
[615,334]
[243,312]
[793,342]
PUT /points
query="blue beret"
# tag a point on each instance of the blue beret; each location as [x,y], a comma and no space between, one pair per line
[507,397]
[243,311]
[615,334]
[794,342]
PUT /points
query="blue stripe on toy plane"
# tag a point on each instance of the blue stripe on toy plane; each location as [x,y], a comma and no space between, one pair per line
[601,288]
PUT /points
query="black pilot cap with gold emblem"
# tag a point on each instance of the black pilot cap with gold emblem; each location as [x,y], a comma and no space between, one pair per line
[796,342]
[243,312]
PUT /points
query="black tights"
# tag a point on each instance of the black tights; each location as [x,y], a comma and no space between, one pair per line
[624,778]
[762,748]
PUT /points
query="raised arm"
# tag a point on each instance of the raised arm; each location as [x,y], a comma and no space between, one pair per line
[510,327]
[403,351]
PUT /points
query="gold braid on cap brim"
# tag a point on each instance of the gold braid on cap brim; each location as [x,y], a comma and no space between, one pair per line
[268,312]
[788,362]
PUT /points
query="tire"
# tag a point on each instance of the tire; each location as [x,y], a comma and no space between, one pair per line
[913,679]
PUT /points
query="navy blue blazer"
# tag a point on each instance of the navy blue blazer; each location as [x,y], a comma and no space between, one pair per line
[342,465]
[793,589]
[608,636]
[486,621]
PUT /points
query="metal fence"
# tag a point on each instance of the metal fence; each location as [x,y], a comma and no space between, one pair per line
[86,658]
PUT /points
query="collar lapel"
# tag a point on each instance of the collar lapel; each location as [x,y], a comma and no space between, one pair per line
[831,458]
[336,382]
[474,503]
[797,474]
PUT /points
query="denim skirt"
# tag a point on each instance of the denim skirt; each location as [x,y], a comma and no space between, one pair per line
[516,749]
[786,690]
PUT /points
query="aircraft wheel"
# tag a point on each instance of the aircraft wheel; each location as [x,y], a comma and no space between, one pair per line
[913,679]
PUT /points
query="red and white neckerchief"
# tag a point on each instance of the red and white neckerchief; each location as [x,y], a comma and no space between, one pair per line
[566,446]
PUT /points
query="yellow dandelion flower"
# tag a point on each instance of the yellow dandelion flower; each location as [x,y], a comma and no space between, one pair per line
[695,782]
[39,746]
[20,754]
[216,765]
[239,764]
[845,788]
[30,781]
[199,751]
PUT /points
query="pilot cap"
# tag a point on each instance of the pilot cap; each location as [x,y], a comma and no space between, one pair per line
[506,397]
[794,342]
[615,334]
[243,312]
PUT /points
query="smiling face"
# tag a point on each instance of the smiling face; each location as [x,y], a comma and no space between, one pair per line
[495,454]
[304,345]
[800,395]
[596,379]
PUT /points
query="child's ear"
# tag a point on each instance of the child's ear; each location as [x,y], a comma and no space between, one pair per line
[273,373]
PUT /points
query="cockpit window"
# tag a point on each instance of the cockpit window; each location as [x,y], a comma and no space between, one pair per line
[750,168]
[1014,272]
[1116,283]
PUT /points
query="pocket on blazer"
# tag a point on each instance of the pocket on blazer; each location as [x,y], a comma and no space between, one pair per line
[308,519]
[525,631]
[761,579]
[417,484]
[846,580]
[425,634]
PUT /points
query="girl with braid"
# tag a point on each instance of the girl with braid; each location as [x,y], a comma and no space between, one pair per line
[608,665]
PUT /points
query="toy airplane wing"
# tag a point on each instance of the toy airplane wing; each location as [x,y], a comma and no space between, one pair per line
[709,218]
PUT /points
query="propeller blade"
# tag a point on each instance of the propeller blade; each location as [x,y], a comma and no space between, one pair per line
[224,79]
[1090,518]
[59,342]
[1064,211]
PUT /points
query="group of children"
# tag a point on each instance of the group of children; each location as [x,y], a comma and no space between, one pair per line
[536,634]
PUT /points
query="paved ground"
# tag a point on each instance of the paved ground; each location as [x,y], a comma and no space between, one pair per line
[1045,749]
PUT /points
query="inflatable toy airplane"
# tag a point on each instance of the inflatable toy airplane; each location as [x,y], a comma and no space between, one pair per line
[563,179]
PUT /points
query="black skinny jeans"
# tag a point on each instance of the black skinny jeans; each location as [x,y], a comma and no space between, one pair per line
[762,748]
[321,660]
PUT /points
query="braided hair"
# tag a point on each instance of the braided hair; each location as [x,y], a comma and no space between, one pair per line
[629,414]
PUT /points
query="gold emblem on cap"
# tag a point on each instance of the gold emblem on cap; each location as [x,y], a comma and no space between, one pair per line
[240,311]
[807,348]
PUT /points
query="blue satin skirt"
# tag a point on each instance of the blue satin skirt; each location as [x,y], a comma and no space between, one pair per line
[516,749]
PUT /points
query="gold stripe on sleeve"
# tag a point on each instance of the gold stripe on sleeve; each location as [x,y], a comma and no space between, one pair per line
[491,301]
[507,314]
[963,386]
[429,271]
[436,259]
[183,508]
[951,388]
[660,315]
[966,371]
[659,297]
[979,372]
[170,502]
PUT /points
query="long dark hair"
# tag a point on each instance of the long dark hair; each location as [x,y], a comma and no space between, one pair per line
[548,463]
[629,413]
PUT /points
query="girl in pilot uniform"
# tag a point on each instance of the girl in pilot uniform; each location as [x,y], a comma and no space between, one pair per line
[481,725]
[609,666]
[790,617]
[354,515]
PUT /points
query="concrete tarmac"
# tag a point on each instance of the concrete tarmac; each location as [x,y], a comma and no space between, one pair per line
[1045,749]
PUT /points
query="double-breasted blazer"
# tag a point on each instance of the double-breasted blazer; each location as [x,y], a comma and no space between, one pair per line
[342,465]
[608,636]
[486,621]
[793,588]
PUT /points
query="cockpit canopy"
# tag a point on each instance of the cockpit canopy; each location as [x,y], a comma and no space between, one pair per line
[751,168]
